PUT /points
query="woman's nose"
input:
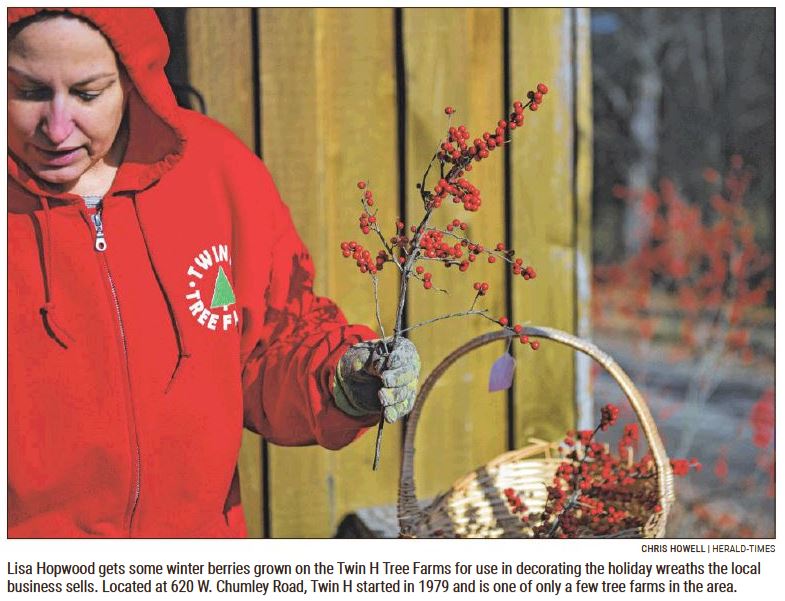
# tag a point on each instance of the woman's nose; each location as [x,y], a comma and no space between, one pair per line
[58,123]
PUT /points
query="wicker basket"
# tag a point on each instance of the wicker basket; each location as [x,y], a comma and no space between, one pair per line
[475,506]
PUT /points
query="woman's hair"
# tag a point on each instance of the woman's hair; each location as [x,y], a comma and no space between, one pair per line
[45,15]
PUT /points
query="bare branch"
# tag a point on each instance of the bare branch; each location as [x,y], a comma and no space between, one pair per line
[482,312]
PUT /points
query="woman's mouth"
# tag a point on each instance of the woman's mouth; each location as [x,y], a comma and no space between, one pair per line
[59,158]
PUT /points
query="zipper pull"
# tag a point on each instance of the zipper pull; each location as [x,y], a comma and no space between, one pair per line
[100,240]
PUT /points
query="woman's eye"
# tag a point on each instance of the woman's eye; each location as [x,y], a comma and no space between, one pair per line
[34,94]
[87,96]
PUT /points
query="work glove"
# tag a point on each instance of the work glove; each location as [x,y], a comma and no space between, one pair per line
[367,381]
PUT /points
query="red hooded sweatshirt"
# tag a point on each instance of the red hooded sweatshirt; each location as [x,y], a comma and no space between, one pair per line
[133,367]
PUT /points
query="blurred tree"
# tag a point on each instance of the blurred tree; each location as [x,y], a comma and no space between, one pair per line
[677,91]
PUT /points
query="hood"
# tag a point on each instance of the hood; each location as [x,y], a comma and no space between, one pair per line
[156,141]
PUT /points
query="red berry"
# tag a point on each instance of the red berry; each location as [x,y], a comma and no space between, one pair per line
[533,106]
[427,284]
[517,328]
[419,269]
[534,344]
[542,88]
[503,321]
[361,184]
[448,110]
[491,259]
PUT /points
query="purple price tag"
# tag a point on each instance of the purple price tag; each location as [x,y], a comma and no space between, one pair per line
[501,373]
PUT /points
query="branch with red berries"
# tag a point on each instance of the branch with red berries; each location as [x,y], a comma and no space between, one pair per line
[595,493]
[409,249]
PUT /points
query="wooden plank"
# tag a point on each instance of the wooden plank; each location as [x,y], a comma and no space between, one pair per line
[328,107]
[222,73]
[583,189]
[543,214]
[455,58]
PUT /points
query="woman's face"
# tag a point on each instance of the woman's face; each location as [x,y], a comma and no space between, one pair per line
[66,99]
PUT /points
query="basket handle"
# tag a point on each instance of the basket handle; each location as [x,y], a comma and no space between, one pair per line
[408,507]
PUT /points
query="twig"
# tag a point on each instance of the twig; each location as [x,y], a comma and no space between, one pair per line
[378,311]
[378,453]
[459,314]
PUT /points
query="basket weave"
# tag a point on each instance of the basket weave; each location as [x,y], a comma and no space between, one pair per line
[475,505]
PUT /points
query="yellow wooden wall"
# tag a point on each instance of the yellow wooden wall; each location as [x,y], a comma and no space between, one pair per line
[329,100]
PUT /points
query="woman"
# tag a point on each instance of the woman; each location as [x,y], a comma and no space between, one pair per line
[159,297]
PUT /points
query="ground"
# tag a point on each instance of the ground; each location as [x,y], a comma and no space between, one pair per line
[733,494]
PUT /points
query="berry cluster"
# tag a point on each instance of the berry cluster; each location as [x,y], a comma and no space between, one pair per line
[481,288]
[461,190]
[366,221]
[516,503]
[536,97]
[517,329]
[362,257]
[527,273]
[608,416]
[434,247]
[456,150]
[594,493]
[681,467]
[426,277]
[456,223]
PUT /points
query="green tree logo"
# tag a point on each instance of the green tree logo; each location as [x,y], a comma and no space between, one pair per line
[223,295]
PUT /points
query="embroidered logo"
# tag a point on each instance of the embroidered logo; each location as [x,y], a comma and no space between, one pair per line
[209,283]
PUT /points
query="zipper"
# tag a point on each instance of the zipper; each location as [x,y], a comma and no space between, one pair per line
[96,218]
[98,224]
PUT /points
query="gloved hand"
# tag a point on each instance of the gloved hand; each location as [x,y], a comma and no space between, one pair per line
[367,381]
